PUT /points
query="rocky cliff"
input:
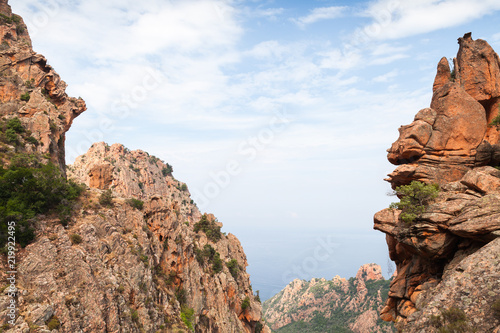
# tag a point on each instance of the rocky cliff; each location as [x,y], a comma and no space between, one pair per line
[337,305]
[33,92]
[135,254]
[448,257]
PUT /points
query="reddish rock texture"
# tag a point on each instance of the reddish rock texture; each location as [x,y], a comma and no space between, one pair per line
[169,216]
[49,112]
[132,269]
[302,301]
[450,144]
[135,270]
[452,136]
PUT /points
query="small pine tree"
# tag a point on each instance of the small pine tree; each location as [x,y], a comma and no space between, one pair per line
[414,199]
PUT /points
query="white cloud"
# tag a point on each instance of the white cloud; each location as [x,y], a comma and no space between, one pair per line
[337,59]
[387,77]
[268,49]
[388,59]
[268,13]
[384,49]
[398,19]
[318,14]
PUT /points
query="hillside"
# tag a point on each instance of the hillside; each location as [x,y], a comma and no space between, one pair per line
[337,305]
[444,237]
[121,247]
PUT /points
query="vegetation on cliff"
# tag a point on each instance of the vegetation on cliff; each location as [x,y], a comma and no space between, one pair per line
[415,198]
[29,188]
[337,305]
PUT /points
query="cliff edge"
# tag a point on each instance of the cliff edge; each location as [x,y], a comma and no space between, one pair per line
[31,91]
[448,257]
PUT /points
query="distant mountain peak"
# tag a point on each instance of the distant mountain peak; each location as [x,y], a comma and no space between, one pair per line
[336,305]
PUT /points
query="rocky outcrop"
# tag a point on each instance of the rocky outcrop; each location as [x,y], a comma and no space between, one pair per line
[453,136]
[448,257]
[339,304]
[32,91]
[130,267]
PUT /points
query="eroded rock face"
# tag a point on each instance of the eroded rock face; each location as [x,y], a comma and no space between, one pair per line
[452,136]
[451,248]
[32,91]
[355,299]
[134,268]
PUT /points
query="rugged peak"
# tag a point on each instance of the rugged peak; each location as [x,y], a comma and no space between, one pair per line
[443,75]
[370,272]
[127,173]
[335,305]
[453,136]
[478,69]
[188,247]
[32,91]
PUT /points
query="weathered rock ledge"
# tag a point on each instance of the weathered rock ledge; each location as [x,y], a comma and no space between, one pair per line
[450,256]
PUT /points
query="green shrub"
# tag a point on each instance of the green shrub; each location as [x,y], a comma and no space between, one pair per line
[25,97]
[53,323]
[136,203]
[5,18]
[28,189]
[414,199]
[451,320]
[210,228]
[496,121]
[208,253]
[167,171]
[198,253]
[245,304]
[106,198]
[217,263]
[76,239]
[259,327]
[15,18]
[52,126]
[30,83]
[20,29]
[11,136]
[184,187]
[233,267]
[32,140]
[187,316]
[15,124]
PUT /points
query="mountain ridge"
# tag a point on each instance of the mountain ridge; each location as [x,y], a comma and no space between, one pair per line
[339,304]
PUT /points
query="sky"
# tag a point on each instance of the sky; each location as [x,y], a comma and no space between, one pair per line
[277,114]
